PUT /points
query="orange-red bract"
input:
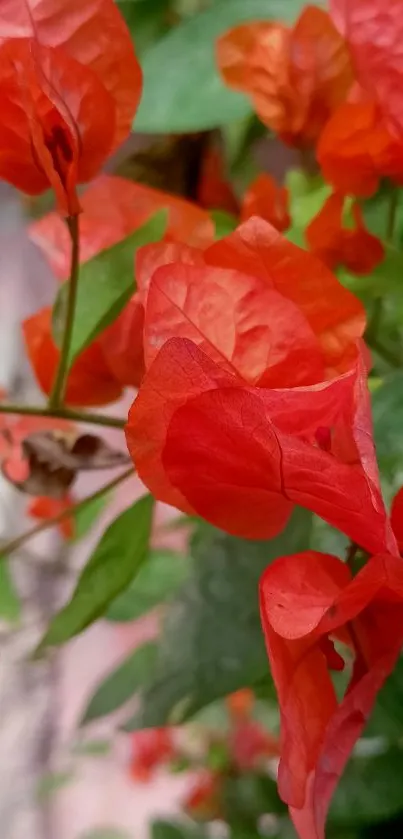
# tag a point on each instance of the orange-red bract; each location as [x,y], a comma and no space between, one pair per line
[335,245]
[90,380]
[208,435]
[296,77]
[307,601]
[264,198]
[396,517]
[44,508]
[112,209]
[14,430]
[69,88]
[374,32]
[356,150]
[150,749]
[214,191]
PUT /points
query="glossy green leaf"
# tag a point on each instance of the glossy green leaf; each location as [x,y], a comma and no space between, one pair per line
[106,283]
[118,557]
[183,91]
[155,583]
[10,606]
[87,515]
[147,21]
[370,789]
[122,683]
[387,413]
[212,642]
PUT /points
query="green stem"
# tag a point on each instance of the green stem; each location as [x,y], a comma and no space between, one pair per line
[392,216]
[14,544]
[59,386]
[62,413]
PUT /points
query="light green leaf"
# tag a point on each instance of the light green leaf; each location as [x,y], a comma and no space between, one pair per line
[105,285]
[117,558]
[183,91]
[10,606]
[122,683]
[86,516]
[155,583]
[51,783]
[212,641]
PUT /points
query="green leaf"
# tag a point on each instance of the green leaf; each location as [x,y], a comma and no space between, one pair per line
[147,21]
[387,717]
[183,91]
[162,829]
[86,516]
[117,558]
[10,606]
[155,583]
[370,789]
[225,223]
[122,683]
[387,413]
[92,748]
[105,833]
[105,285]
[248,796]
[51,782]
[212,642]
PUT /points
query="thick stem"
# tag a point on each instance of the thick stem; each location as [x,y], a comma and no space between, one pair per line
[14,544]
[62,413]
[59,386]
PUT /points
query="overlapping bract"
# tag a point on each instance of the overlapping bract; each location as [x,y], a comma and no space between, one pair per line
[336,245]
[235,419]
[296,77]
[70,85]
[264,198]
[308,601]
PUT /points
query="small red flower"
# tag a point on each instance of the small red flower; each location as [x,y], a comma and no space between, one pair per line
[64,107]
[296,77]
[308,601]
[44,508]
[214,190]
[356,150]
[335,245]
[203,802]
[150,749]
[266,199]
[90,380]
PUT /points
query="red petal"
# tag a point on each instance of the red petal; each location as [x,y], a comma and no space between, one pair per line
[112,208]
[92,32]
[247,328]
[44,508]
[90,381]
[122,344]
[336,317]
[264,198]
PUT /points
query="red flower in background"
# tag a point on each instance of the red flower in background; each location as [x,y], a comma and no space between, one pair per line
[150,749]
[64,107]
[356,150]
[308,601]
[264,198]
[336,245]
[44,508]
[219,426]
[374,32]
[214,190]
[296,77]
[90,380]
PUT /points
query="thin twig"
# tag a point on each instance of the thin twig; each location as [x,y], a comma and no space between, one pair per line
[59,386]
[62,413]
[14,544]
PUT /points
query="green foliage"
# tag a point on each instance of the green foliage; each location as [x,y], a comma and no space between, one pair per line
[105,285]
[122,683]
[370,789]
[10,606]
[183,91]
[51,783]
[387,413]
[212,643]
[155,583]
[117,558]
[86,515]
[225,223]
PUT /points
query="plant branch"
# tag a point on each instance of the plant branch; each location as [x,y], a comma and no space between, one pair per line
[59,386]
[62,413]
[14,544]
